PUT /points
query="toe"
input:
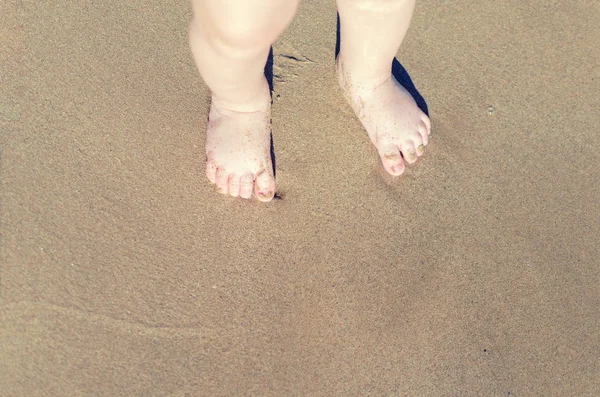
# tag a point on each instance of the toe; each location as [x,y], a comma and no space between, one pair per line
[211,171]
[264,186]
[409,152]
[423,132]
[246,185]
[427,123]
[391,160]
[222,180]
[234,185]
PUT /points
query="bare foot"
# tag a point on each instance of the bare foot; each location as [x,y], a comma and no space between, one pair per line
[395,124]
[238,147]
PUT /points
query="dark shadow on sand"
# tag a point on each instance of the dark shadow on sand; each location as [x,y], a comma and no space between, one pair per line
[269,76]
[398,72]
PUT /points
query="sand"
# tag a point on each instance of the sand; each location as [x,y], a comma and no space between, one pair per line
[123,272]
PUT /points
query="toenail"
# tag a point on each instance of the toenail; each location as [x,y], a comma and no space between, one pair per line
[421,148]
[265,194]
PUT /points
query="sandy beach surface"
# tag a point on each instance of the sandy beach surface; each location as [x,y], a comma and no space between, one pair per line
[123,272]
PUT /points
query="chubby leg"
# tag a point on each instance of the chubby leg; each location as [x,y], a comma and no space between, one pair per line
[371,33]
[230,42]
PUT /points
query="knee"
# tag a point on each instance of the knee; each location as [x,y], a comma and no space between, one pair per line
[251,24]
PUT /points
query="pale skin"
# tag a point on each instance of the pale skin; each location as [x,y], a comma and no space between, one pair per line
[230,42]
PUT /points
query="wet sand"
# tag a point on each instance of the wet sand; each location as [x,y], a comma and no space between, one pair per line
[123,272]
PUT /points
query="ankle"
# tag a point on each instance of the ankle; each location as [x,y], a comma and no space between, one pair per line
[248,107]
[257,102]
[358,78]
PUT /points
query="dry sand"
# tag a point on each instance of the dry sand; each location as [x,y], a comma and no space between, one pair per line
[125,274]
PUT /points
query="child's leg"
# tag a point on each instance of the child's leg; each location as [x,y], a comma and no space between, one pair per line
[230,41]
[371,33]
